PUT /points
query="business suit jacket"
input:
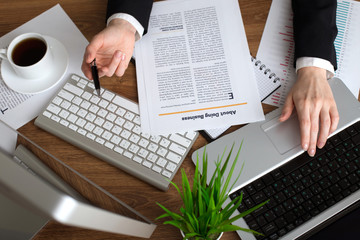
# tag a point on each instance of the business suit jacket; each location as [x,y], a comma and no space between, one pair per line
[139,9]
[315,29]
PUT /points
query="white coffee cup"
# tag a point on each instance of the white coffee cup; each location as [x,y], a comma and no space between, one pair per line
[30,56]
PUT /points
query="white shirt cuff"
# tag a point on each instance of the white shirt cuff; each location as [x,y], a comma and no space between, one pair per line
[139,28]
[316,62]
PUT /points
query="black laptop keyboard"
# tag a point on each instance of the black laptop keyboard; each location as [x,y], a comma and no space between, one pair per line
[304,187]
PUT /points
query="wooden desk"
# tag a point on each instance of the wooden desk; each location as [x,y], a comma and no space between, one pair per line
[89,17]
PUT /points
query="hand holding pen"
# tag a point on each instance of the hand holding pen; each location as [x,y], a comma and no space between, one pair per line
[112,49]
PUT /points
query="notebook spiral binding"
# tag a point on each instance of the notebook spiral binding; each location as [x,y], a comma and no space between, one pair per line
[262,67]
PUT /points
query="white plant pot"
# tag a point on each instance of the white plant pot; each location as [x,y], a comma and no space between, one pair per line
[183,235]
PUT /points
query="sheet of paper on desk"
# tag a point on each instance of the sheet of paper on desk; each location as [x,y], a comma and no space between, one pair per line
[17,109]
[193,69]
[277,46]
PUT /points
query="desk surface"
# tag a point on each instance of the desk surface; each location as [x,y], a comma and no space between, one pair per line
[89,17]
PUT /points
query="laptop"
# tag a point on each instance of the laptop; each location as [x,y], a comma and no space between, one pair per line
[32,193]
[276,168]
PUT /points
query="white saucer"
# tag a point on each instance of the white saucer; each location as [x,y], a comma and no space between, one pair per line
[32,86]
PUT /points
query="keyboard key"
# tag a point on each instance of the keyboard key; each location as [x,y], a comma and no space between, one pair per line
[171,167]
[143,153]
[143,142]
[177,148]
[161,162]
[191,135]
[94,109]
[55,118]
[99,121]
[86,96]
[107,135]
[77,101]
[155,139]
[66,95]
[119,121]
[112,107]
[54,109]
[64,122]
[108,125]
[64,114]
[73,89]
[152,158]
[136,120]
[103,103]
[128,125]
[76,78]
[82,113]
[129,116]
[269,229]
[156,169]
[181,140]
[124,144]
[85,104]
[138,159]
[80,122]
[125,134]
[134,138]
[128,154]
[108,95]
[166,174]
[100,140]
[173,157]
[161,151]
[109,145]
[95,99]
[118,150]
[91,136]
[152,147]
[47,114]
[164,142]
[90,117]
[134,148]
[57,100]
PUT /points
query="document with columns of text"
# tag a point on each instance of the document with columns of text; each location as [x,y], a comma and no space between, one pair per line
[193,68]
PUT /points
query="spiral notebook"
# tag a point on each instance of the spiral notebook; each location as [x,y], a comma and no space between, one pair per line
[268,82]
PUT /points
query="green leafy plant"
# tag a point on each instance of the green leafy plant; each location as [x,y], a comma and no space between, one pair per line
[202,216]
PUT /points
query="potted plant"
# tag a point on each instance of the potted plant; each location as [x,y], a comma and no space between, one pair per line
[202,216]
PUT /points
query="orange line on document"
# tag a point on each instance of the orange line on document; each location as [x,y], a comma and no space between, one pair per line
[201,109]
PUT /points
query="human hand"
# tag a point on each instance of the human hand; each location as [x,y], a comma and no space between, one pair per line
[312,97]
[112,48]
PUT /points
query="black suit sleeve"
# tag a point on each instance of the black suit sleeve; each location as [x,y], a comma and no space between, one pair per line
[139,9]
[315,29]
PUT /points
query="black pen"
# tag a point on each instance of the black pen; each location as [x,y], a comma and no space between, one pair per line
[95,76]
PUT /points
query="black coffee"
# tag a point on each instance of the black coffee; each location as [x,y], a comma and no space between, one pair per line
[28,52]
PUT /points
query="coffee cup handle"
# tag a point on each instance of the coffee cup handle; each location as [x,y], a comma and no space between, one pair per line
[3,52]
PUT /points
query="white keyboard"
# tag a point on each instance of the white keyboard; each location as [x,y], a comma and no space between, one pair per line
[108,126]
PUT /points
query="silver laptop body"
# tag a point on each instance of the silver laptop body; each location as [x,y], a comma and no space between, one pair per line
[269,144]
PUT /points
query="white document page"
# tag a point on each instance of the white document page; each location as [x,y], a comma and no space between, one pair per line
[17,109]
[277,46]
[193,68]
